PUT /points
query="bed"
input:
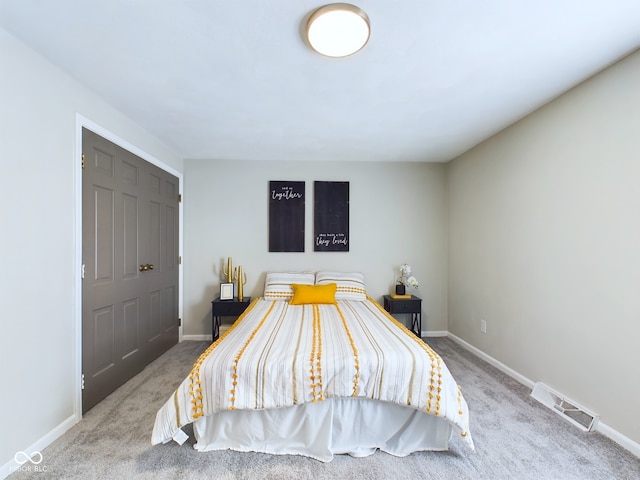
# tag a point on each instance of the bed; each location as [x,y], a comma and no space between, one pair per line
[315,367]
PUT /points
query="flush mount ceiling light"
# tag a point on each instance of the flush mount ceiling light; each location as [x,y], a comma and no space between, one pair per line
[338,30]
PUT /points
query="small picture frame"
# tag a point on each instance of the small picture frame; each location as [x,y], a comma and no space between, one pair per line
[226,291]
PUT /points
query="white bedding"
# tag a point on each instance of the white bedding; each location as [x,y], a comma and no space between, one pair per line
[280,362]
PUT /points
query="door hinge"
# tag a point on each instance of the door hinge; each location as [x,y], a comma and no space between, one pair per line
[179,259]
[179,322]
[179,198]
[83,160]
[82,272]
[82,380]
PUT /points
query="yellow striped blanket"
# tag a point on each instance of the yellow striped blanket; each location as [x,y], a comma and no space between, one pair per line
[278,355]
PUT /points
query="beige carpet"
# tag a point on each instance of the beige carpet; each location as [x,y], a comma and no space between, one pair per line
[515,438]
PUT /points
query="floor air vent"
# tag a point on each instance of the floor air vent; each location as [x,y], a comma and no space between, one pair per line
[567,409]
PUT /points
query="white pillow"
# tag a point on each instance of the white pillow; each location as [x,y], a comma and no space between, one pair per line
[277,285]
[350,285]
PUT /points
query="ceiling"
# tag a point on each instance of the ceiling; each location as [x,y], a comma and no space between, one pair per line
[236,81]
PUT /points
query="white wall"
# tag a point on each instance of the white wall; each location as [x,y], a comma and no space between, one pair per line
[397,214]
[38,360]
[545,241]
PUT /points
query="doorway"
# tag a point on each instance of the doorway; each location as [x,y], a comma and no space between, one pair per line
[130,258]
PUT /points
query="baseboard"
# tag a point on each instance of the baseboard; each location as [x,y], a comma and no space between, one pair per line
[603,428]
[620,439]
[435,333]
[196,338]
[11,466]
[492,361]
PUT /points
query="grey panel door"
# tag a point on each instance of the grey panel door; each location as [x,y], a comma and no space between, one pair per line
[130,257]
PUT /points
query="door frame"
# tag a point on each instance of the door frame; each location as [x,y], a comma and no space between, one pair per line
[83,122]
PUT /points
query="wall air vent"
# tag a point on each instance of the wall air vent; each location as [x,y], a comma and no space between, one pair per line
[567,409]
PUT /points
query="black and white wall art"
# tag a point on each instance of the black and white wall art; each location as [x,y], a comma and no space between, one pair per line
[286,216]
[331,216]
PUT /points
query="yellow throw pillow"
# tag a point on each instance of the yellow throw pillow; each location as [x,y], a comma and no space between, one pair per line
[304,294]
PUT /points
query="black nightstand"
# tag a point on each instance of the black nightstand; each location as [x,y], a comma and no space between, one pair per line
[225,308]
[411,306]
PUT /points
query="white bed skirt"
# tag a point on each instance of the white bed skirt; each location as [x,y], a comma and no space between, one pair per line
[355,426]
